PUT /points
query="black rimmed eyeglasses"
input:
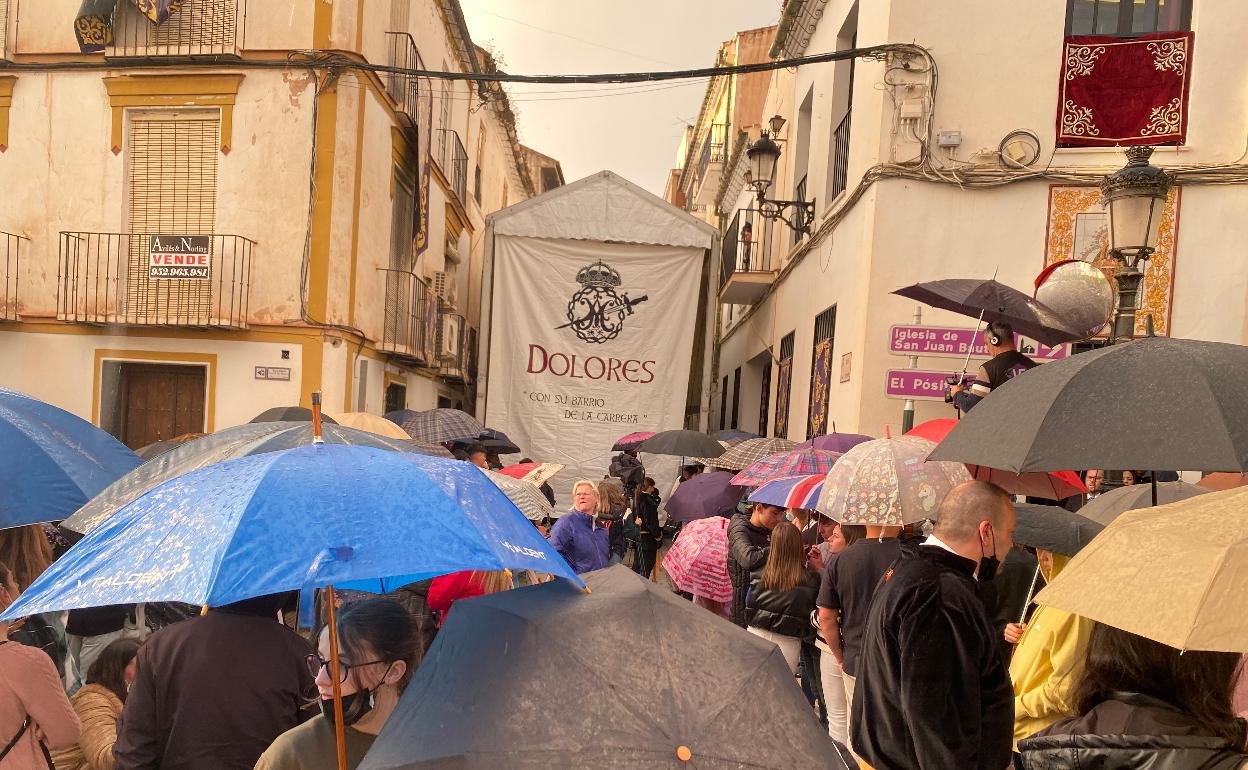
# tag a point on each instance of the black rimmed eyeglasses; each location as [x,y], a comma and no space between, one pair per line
[316,663]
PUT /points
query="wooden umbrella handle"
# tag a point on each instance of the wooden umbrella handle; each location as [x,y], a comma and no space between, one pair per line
[340,730]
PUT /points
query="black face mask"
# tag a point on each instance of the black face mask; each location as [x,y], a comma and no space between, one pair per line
[354,706]
[988,565]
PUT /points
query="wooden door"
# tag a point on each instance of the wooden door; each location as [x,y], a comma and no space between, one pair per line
[160,401]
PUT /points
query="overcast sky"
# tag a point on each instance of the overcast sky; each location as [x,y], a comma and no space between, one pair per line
[593,127]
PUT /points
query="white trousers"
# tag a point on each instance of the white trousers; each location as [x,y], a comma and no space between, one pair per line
[790,646]
[834,697]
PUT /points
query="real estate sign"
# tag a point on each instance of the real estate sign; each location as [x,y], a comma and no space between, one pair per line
[179,257]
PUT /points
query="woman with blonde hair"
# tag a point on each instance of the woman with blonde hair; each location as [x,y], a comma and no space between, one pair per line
[782,596]
[578,535]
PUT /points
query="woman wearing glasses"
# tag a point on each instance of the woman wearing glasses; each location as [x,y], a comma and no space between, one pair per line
[377,647]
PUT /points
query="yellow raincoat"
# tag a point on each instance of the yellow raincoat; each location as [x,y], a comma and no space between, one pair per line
[1045,665]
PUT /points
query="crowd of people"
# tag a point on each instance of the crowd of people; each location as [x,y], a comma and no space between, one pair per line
[912,645]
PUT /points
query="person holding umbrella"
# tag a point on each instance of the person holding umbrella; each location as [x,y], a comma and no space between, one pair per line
[1142,703]
[378,656]
[933,692]
[1048,659]
[578,537]
[1006,364]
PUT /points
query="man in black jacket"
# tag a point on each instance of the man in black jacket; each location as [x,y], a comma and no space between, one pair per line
[646,513]
[212,692]
[932,691]
[748,539]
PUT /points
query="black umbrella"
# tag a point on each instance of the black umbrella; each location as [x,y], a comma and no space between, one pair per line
[995,302]
[494,441]
[290,414]
[1106,507]
[1054,528]
[682,443]
[533,678]
[1155,403]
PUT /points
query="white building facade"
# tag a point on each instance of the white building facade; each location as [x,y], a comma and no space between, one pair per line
[943,161]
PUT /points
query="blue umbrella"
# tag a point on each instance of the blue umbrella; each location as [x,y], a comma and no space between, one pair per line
[295,519]
[53,461]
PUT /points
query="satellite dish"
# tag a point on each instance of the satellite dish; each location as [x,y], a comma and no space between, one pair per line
[1079,293]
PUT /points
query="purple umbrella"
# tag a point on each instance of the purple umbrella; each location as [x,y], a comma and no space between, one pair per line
[839,442]
[704,495]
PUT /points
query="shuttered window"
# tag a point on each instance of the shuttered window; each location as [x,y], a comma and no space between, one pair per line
[199,27]
[171,158]
[399,15]
[723,405]
[736,398]
[4,28]
[764,401]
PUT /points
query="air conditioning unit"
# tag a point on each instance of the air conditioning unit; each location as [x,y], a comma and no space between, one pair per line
[448,350]
[441,285]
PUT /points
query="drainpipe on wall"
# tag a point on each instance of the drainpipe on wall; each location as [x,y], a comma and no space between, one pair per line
[788,17]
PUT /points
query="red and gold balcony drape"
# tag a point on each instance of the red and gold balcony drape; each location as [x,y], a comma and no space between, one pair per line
[1124,91]
[93,26]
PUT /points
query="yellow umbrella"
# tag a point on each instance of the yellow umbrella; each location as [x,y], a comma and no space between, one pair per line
[1176,574]
[372,423]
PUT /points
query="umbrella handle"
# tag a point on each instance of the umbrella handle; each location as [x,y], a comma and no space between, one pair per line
[1030,593]
[335,669]
[1154,483]
[317,436]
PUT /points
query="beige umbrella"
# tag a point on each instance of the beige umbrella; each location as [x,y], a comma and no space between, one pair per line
[1176,574]
[372,423]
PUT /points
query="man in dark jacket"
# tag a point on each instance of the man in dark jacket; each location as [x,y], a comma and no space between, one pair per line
[212,692]
[748,540]
[646,517]
[932,692]
[628,469]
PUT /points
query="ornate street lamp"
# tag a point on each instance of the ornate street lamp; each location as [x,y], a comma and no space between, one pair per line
[1134,196]
[763,154]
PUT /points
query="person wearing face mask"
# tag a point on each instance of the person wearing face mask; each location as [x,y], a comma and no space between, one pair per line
[212,692]
[932,691]
[377,650]
[579,536]
[98,705]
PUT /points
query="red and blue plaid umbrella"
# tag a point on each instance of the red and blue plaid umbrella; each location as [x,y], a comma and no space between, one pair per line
[792,492]
[800,462]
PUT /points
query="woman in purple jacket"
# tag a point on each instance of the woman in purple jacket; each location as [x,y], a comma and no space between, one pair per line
[578,536]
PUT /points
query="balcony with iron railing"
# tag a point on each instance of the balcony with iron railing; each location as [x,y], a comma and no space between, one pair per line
[403,89]
[840,158]
[453,159]
[404,324]
[137,279]
[749,267]
[711,163]
[455,343]
[799,194]
[10,267]
[197,28]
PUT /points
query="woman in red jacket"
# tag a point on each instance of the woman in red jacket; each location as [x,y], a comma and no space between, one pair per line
[448,589]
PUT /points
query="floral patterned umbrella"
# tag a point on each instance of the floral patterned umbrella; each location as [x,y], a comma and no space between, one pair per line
[886,482]
[799,462]
[698,561]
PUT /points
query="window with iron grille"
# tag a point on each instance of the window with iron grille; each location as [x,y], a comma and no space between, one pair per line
[784,387]
[736,398]
[764,402]
[198,27]
[1126,18]
[171,156]
[821,373]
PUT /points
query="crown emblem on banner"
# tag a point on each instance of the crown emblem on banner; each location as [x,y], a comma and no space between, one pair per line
[598,274]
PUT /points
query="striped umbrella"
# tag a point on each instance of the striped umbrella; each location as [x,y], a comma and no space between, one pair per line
[799,462]
[791,492]
[527,497]
[534,473]
[748,452]
[437,426]
[698,561]
[631,441]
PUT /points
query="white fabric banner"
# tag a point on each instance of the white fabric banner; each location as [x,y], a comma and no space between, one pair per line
[590,341]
